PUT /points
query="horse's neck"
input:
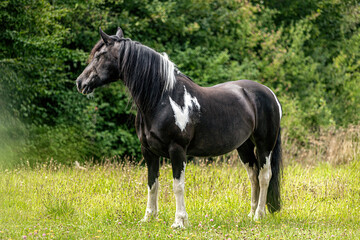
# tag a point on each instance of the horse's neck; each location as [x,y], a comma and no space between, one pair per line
[182,82]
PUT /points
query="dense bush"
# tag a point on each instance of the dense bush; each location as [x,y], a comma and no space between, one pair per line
[308,52]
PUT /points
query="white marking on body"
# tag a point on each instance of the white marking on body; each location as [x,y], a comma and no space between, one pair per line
[277,101]
[152,203]
[252,174]
[264,179]
[168,70]
[182,114]
[181,217]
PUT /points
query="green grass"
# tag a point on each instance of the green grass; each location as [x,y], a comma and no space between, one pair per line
[107,202]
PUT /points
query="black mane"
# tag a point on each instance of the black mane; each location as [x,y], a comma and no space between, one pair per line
[145,72]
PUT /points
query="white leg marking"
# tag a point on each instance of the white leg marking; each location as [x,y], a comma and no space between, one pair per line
[181,217]
[181,114]
[264,179]
[152,204]
[252,174]
[277,101]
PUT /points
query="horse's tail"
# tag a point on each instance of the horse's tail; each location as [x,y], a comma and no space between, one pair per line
[273,196]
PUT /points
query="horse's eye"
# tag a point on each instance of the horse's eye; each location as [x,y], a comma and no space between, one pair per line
[99,54]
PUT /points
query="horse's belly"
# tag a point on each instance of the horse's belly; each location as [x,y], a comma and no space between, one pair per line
[196,152]
[217,143]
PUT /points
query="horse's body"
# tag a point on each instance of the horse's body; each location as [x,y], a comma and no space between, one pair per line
[225,128]
[176,117]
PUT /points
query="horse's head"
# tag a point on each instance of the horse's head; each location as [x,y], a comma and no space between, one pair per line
[103,64]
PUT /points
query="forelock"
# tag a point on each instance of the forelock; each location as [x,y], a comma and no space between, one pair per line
[100,44]
[96,48]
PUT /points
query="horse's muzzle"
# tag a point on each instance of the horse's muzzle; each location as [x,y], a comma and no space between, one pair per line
[87,85]
[84,88]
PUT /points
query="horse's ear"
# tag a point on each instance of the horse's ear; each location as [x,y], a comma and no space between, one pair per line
[106,38]
[120,33]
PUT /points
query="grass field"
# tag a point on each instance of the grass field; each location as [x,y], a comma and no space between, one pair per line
[107,201]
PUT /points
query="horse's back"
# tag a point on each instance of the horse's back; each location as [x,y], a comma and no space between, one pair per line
[248,85]
[263,98]
[260,96]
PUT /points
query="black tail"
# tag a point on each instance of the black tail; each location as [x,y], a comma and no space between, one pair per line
[273,196]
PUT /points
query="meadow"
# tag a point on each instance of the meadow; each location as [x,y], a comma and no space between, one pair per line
[107,200]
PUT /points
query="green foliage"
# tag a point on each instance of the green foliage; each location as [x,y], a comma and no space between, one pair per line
[114,119]
[342,82]
[307,52]
[35,78]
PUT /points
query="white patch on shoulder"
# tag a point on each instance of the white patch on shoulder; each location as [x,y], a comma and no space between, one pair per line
[277,101]
[182,114]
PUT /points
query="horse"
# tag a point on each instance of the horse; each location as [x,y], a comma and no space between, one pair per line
[177,118]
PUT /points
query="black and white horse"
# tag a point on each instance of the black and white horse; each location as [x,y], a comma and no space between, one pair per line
[176,118]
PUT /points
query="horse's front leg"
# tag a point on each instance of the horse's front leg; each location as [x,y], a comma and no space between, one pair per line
[152,162]
[178,162]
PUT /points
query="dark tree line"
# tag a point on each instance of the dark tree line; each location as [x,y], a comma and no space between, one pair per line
[308,52]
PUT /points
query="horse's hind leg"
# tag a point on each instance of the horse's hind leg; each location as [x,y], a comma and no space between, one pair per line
[247,156]
[152,162]
[264,176]
[265,144]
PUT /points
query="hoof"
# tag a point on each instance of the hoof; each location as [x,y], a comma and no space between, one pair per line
[144,220]
[149,219]
[149,216]
[259,215]
[180,223]
[177,225]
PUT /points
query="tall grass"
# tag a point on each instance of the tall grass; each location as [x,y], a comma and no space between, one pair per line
[320,192]
[332,145]
[107,201]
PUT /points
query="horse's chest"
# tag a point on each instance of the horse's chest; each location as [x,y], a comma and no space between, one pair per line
[154,143]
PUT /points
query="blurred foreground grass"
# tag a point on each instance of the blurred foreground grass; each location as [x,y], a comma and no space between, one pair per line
[107,201]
